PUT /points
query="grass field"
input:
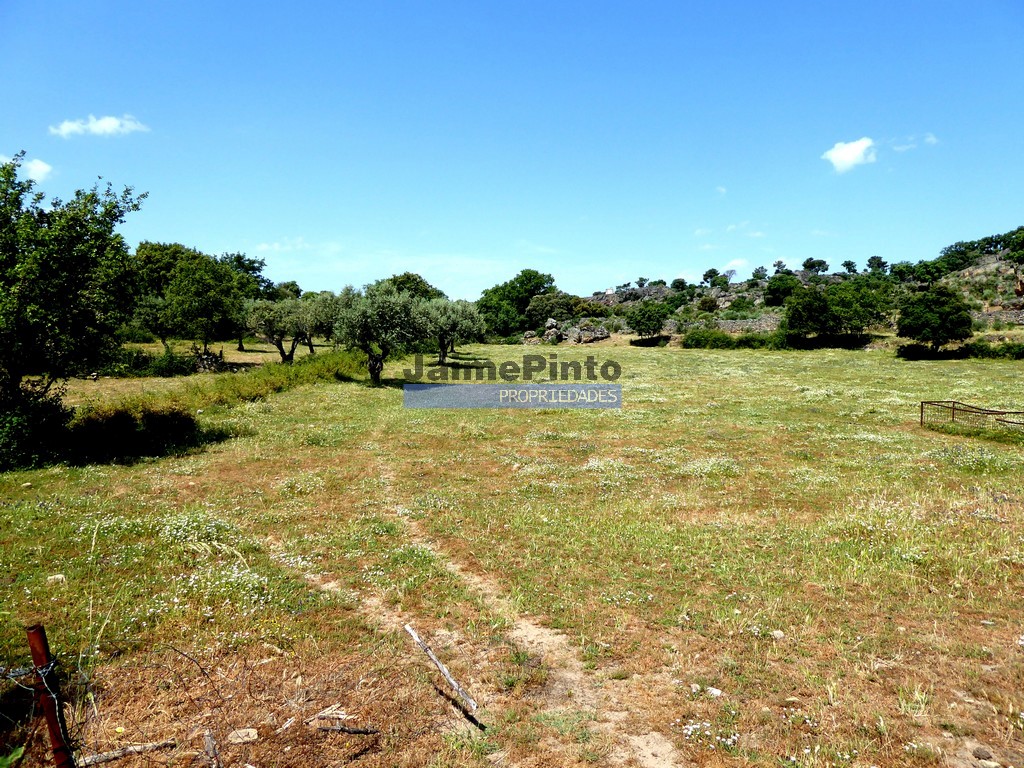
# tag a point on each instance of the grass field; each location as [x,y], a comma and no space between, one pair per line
[760,559]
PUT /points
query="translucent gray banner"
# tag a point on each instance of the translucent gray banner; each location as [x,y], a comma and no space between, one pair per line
[512,396]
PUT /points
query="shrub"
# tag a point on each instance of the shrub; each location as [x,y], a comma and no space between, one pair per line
[1010,350]
[774,340]
[131,430]
[707,304]
[31,430]
[708,338]
[129,362]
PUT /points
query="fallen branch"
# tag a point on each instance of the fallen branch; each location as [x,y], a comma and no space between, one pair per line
[133,749]
[323,713]
[444,670]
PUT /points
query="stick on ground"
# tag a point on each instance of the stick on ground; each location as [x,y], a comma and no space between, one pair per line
[132,749]
[443,669]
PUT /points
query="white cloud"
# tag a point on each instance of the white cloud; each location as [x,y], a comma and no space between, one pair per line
[721,191]
[35,169]
[701,232]
[904,147]
[930,138]
[756,234]
[736,264]
[846,155]
[98,126]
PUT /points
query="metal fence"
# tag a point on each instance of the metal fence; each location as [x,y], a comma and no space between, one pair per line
[973,416]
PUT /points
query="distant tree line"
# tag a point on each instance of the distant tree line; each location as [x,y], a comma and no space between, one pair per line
[71,292]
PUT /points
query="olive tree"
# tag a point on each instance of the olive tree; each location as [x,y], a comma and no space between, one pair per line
[381,321]
[448,322]
[279,323]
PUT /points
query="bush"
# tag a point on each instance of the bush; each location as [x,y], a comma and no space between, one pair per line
[1010,350]
[32,430]
[708,338]
[707,304]
[774,340]
[128,362]
[131,430]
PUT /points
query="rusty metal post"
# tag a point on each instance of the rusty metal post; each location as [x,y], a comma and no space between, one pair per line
[49,696]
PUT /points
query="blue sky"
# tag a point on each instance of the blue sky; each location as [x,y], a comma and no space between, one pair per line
[600,142]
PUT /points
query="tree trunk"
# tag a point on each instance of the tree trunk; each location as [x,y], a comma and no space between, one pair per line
[442,350]
[241,344]
[375,364]
[309,343]
[279,344]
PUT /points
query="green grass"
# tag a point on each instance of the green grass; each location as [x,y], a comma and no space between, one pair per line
[736,493]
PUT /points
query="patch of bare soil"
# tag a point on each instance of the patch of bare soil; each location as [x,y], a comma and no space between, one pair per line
[266,707]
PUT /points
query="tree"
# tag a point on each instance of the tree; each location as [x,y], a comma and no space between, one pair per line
[381,322]
[709,276]
[860,302]
[815,266]
[66,282]
[850,266]
[154,265]
[779,267]
[779,287]
[761,273]
[877,265]
[679,284]
[286,290]
[320,311]
[448,322]
[935,316]
[504,306]
[277,321]
[647,318]
[202,299]
[558,305]
[416,286]
[809,312]
[250,284]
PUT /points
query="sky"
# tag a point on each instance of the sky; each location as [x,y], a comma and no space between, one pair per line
[344,142]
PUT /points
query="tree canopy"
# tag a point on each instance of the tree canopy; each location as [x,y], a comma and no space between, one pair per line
[66,280]
[936,316]
[647,318]
[381,321]
[503,306]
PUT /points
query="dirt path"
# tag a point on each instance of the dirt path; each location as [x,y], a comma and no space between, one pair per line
[613,707]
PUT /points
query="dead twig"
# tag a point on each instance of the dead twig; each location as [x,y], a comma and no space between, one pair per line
[132,749]
[443,669]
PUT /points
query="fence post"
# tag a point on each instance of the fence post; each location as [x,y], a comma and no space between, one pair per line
[49,696]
